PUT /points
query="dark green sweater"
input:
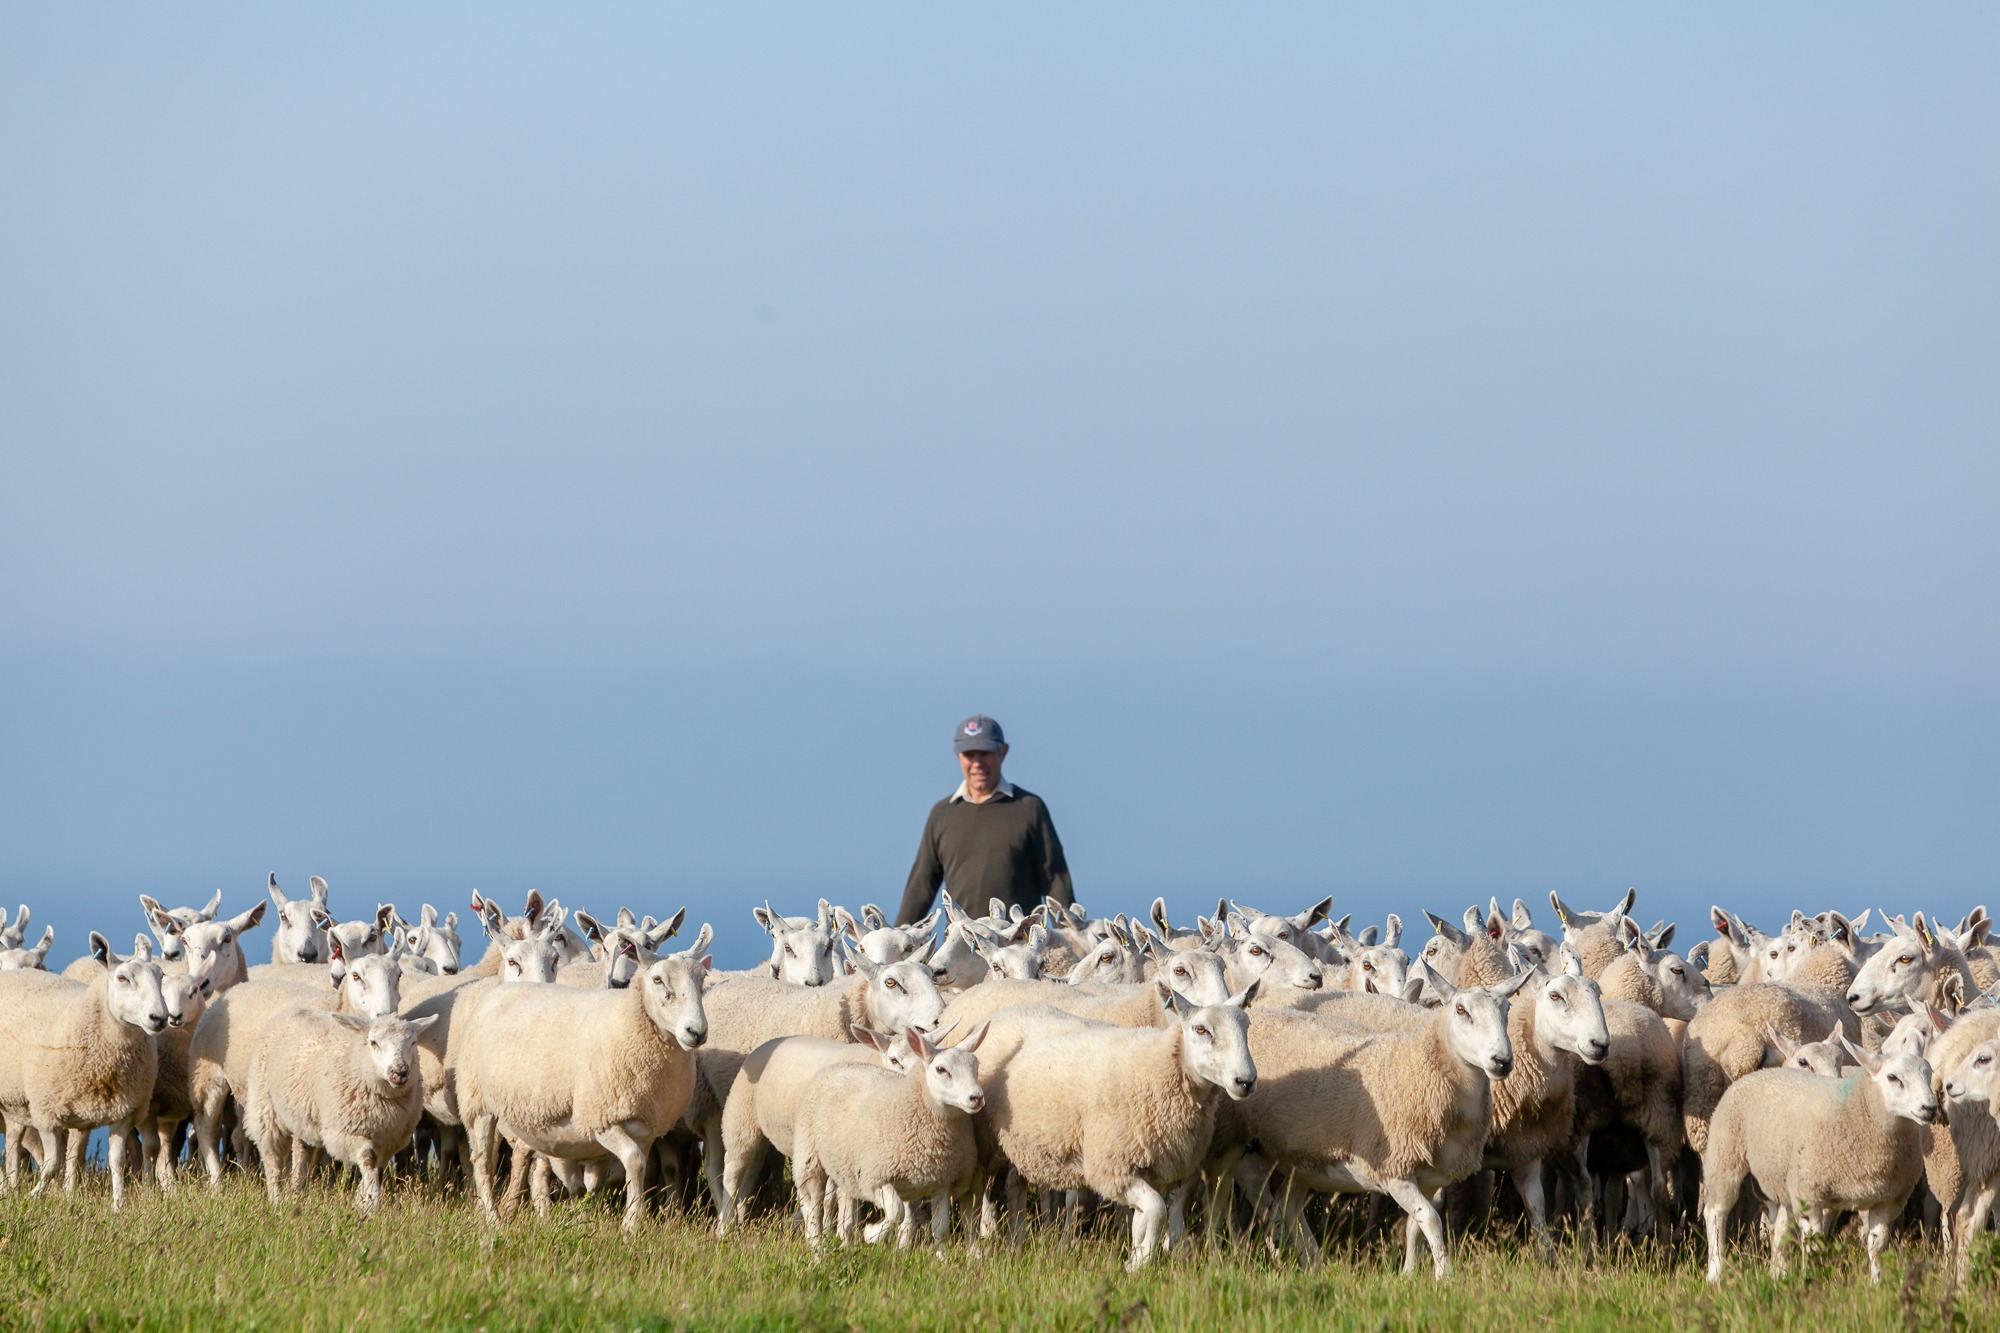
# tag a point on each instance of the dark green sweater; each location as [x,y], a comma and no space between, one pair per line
[1005,848]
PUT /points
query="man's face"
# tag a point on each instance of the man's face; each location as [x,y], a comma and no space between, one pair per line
[982,769]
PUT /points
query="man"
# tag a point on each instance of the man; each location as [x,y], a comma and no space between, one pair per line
[989,839]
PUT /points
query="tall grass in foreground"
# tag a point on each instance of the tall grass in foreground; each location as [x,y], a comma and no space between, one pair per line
[197,1261]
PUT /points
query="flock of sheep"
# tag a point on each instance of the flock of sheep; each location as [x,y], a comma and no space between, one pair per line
[1229,1074]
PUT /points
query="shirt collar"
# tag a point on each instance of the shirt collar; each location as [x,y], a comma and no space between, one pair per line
[1003,792]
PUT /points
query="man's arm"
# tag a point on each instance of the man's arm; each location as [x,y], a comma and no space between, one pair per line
[925,876]
[1054,866]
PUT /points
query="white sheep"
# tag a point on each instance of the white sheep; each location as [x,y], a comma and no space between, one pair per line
[435,939]
[801,946]
[1912,965]
[1397,1113]
[1125,1112]
[1730,1037]
[578,1074]
[15,958]
[1817,1146]
[298,937]
[157,916]
[876,937]
[13,934]
[335,1082]
[182,995]
[893,1137]
[74,1057]
[762,1107]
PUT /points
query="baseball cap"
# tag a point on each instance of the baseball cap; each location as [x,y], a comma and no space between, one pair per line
[978,732]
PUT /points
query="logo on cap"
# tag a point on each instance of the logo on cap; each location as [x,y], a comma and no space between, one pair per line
[972,728]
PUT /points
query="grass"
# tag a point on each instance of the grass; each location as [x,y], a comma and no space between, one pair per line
[198,1261]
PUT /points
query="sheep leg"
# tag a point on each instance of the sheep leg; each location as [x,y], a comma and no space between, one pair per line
[1781,1224]
[893,1213]
[74,1142]
[1879,1222]
[273,1172]
[737,1167]
[1423,1215]
[1017,1205]
[165,1128]
[968,1200]
[1289,1224]
[1149,1217]
[115,1150]
[714,1161]
[1971,1223]
[13,1129]
[301,1163]
[1663,1218]
[811,1186]
[483,1144]
[518,1168]
[850,1212]
[1528,1184]
[621,1142]
[369,1195]
[1177,1213]
[538,1185]
[52,1156]
[207,1121]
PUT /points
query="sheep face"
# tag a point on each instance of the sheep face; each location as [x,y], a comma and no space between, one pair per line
[357,938]
[1823,1057]
[371,985]
[1904,1082]
[1913,1031]
[183,999]
[950,1074]
[1292,930]
[15,958]
[1894,975]
[1377,969]
[1252,956]
[1215,1039]
[132,992]
[1197,975]
[1683,987]
[531,959]
[12,935]
[1972,1081]
[298,938]
[213,954]
[1476,1021]
[436,939]
[671,991]
[801,947]
[902,995]
[1569,1012]
[1019,957]
[956,964]
[389,1039]
[1780,955]
[167,922]
[1112,961]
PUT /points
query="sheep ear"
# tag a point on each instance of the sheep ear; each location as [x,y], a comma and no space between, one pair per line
[142,948]
[1158,914]
[1368,936]
[661,931]
[532,909]
[154,912]
[1625,904]
[384,914]
[246,920]
[1475,921]
[336,951]
[973,1038]
[1939,1019]
[766,918]
[863,964]
[451,922]
[100,948]
[1413,989]
[1787,1048]
[277,894]
[419,1026]
[592,928]
[919,1043]
[1445,928]
[1522,919]
[1952,991]
[1698,956]
[353,1021]
[1840,930]
[1243,998]
[926,925]
[1661,937]
[1921,927]
[1437,983]
[1505,990]
[845,923]
[874,916]
[429,915]
[1563,914]
[1496,926]
[922,953]
[869,1037]
[1868,1060]
[317,887]
[214,906]
[1572,961]
[1317,912]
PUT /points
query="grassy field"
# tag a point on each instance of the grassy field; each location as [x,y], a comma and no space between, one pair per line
[197,1261]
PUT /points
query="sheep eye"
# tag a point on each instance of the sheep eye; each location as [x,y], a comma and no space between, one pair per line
[1180,972]
[1256,953]
[790,950]
[1367,966]
[124,980]
[1906,959]
[1200,1031]
[1895,1080]
[891,984]
[1461,1012]
[938,1069]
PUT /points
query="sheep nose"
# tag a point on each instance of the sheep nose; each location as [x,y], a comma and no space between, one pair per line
[976,1101]
[157,1022]
[1501,1065]
[451,971]
[1599,1049]
[1243,1087]
[692,1037]
[1929,1111]
[1315,980]
[1854,999]
[308,954]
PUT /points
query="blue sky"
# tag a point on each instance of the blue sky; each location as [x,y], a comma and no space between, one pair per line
[1411,456]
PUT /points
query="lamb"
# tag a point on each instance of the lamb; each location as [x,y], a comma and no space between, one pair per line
[1729,1038]
[184,1001]
[1822,1057]
[893,1137]
[74,1057]
[576,1074]
[337,1082]
[225,1040]
[1817,1146]
[1962,1162]
[762,1107]
[1403,1114]
[1125,1112]
[16,958]
[298,937]
[1629,1108]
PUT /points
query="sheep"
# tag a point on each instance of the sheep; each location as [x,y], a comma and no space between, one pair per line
[881,941]
[1534,1107]
[1817,1146]
[1592,934]
[298,937]
[1822,1057]
[1910,966]
[74,1057]
[1962,1161]
[157,916]
[1251,955]
[619,951]
[336,1082]
[16,958]
[1380,969]
[1016,955]
[436,939]
[212,949]
[496,923]
[578,1074]
[1646,973]
[1197,975]
[1729,1038]
[1294,930]
[1124,1112]
[369,935]
[893,1137]
[12,935]
[746,1012]
[1399,1113]
[1521,932]
[1736,960]
[1629,1107]
[225,1040]
[1465,958]
[100,957]
[762,1107]
[182,995]
[801,946]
